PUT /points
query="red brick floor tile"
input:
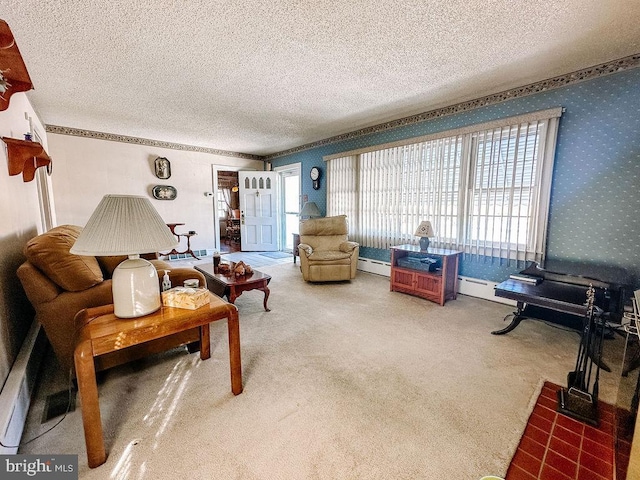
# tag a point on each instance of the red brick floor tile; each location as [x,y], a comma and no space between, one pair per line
[598,435]
[607,416]
[607,407]
[550,473]
[561,464]
[570,424]
[603,452]
[549,392]
[622,466]
[545,412]
[551,403]
[538,434]
[533,448]
[526,462]
[565,449]
[585,474]
[596,465]
[568,436]
[540,422]
[624,447]
[516,473]
[606,427]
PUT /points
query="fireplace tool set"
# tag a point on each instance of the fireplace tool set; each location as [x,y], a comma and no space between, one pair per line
[580,399]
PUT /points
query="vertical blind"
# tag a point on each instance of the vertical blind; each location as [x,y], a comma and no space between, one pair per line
[485,190]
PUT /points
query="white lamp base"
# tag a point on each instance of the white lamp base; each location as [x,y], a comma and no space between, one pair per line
[136,291]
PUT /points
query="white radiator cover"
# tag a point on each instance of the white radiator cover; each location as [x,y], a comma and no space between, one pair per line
[466,285]
[15,396]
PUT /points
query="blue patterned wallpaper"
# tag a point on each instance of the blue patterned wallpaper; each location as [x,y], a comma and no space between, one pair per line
[595,198]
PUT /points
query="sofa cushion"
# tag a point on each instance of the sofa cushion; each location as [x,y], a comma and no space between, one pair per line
[49,252]
[109,263]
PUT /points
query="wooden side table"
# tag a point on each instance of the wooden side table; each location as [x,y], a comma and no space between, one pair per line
[296,242]
[172,227]
[101,332]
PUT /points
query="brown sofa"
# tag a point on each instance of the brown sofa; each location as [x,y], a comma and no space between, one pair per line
[325,253]
[60,284]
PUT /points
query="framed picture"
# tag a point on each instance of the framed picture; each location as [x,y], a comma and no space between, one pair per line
[164,192]
[163,168]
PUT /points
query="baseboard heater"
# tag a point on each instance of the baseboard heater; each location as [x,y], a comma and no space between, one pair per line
[15,396]
[374,266]
[466,285]
[475,287]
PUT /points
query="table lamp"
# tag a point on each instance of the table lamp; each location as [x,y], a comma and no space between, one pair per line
[128,225]
[424,231]
[310,210]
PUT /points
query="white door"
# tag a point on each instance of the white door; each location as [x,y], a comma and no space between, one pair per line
[258,211]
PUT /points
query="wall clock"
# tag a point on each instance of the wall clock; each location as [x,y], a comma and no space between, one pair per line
[315,176]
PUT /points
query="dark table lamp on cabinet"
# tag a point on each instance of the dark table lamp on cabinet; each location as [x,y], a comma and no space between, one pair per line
[424,231]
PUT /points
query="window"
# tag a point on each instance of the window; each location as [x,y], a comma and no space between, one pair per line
[485,188]
[223,205]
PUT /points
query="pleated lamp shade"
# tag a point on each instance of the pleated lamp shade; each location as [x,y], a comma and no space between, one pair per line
[128,225]
[124,225]
[310,210]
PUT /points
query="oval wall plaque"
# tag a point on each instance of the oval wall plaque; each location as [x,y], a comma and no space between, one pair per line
[164,192]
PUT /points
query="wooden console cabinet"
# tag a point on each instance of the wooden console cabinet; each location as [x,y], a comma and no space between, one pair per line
[438,286]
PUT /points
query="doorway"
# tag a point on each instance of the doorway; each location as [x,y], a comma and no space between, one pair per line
[289,203]
[228,211]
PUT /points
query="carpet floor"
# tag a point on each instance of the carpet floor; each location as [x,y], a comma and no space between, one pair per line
[276,254]
[343,380]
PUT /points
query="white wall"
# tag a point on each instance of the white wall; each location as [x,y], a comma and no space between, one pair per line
[20,221]
[86,169]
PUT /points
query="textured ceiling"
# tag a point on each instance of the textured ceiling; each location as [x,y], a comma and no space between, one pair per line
[262,76]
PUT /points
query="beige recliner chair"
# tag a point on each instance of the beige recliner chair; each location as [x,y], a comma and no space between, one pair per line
[325,253]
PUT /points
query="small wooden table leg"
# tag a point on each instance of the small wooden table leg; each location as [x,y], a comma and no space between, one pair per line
[205,342]
[266,297]
[233,325]
[88,390]
[232,295]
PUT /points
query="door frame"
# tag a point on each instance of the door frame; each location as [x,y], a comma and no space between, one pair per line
[215,168]
[282,171]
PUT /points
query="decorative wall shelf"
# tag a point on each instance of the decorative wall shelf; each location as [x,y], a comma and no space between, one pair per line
[26,157]
[12,66]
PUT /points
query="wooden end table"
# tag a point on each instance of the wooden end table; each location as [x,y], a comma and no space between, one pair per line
[101,332]
[296,242]
[172,227]
[227,284]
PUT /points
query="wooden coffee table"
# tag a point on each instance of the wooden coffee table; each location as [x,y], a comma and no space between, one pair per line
[227,284]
